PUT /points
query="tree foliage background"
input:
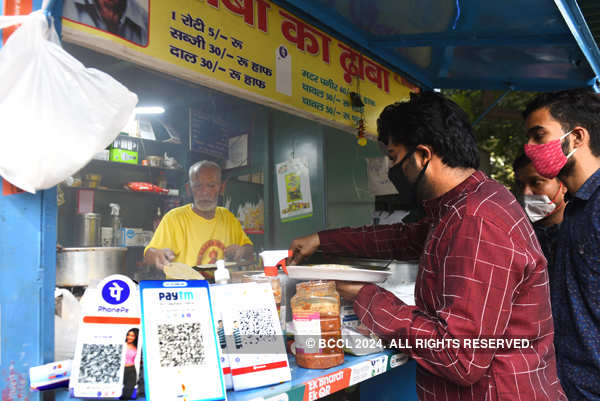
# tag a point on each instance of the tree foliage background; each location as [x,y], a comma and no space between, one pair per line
[501,132]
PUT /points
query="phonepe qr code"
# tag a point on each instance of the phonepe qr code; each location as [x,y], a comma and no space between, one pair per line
[359,342]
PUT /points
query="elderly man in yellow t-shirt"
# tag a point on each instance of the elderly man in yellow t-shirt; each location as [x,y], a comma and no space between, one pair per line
[199,233]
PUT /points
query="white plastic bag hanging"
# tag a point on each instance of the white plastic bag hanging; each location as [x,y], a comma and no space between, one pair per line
[66,325]
[55,114]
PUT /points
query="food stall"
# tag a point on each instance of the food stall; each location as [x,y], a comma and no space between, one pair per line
[279,77]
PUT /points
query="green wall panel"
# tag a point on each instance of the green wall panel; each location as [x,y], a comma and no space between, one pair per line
[300,138]
[349,202]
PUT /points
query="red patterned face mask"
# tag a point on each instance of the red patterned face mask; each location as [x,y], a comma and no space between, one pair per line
[548,158]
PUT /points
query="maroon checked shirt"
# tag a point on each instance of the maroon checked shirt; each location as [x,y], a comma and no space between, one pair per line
[482,275]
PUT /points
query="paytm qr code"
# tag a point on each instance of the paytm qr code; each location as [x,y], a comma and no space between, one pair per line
[181,344]
[256,326]
[100,363]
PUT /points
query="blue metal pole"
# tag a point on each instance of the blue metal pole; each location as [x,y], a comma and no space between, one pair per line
[27,281]
[572,15]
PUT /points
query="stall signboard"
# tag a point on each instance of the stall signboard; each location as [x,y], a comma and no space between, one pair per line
[293,187]
[252,49]
[107,357]
[180,342]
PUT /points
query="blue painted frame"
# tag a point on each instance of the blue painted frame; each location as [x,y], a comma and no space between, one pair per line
[27,277]
[383,48]
[28,222]
[578,27]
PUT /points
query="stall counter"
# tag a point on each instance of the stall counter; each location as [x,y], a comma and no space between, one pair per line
[311,384]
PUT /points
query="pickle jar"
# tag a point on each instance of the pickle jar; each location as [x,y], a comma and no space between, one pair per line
[316,315]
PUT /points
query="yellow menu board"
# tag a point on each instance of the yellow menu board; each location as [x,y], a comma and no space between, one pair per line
[248,48]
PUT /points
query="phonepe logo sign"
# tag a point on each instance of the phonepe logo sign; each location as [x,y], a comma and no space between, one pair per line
[115,292]
[175,296]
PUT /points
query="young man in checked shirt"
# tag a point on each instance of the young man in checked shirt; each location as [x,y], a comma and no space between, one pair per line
[482,274]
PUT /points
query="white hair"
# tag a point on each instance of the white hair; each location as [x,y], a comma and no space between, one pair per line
[196,167]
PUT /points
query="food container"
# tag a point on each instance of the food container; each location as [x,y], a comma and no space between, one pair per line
[73,181]
[154,161]
[316,315]
[92,180]
[80,266]
[88,230]
[262,278]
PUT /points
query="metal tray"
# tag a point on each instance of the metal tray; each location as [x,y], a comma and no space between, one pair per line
[331,272]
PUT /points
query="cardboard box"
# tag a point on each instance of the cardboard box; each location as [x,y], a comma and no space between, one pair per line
[146,237]
[49,376]
[128,237]
[106,236]
[124,150]
[135,237]
[123,156]
[131,236]
[348,317]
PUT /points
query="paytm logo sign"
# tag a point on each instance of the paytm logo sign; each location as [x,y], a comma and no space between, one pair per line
[176,296]
[115,292]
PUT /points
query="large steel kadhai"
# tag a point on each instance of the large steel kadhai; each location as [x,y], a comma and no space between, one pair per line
[77,267]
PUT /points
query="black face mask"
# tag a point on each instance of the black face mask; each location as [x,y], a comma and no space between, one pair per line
[403,185]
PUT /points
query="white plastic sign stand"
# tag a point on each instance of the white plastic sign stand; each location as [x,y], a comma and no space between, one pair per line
[218,302]
[108,338]
[254,338]
[181,350]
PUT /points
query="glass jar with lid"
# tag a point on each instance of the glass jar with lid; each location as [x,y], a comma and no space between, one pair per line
[316,315]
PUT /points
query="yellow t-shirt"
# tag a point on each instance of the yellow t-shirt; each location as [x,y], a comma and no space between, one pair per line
[196,240]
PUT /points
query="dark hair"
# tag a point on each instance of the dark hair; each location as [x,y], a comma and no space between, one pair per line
[571,108]
[429,118]
[521,162]
[136,331]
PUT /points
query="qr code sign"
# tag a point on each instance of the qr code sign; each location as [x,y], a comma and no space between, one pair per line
[100,363]
[256,326]
[181,344]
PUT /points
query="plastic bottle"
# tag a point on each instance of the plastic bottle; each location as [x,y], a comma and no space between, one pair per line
[222,275]
[161,181]
[116,224]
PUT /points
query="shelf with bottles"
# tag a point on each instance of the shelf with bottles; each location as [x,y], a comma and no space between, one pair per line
[111,176]
[140,153]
